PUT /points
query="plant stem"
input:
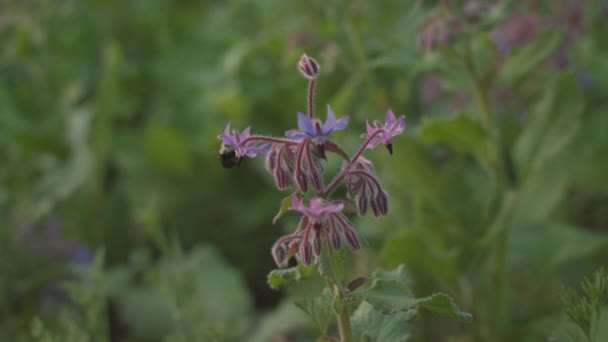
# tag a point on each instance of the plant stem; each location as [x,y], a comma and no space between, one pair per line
[311,98]
[499,278]
[346,334]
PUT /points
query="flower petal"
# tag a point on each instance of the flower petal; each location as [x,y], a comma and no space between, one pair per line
[245,133]
[390,118]
[316,207]
[296,204]
[328,127]
[305,124]
[296,134]
[340,124]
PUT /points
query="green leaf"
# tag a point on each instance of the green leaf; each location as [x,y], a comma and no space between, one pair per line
[552,123]
[539,248]
[331,266]
[369,324]
[390,293]
[582,155]
[278,278]
[319,309]
[421,250]
[209,296]
[285,317]
[523,62]
[285,204]
[459,132]
[442,304]
[541,193]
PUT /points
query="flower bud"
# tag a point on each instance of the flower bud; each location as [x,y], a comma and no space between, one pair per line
[305,253]
[279,254]
[351,238]
[335,240]
[301,181]
[308,67]
[317,243]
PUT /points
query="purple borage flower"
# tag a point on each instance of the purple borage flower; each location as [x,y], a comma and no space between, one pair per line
[384,133]
[312,128]
[239,146]
[321,220]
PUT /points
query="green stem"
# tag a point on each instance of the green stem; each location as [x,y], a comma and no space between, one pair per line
[346,334]
[498,172]
[343,317]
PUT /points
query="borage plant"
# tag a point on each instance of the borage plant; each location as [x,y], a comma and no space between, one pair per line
[384,301]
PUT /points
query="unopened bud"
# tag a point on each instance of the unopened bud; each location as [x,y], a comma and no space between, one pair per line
[335,240]
[308,67]
[301,181]
[351,238]
[317,244]
[305,253]
[279,254]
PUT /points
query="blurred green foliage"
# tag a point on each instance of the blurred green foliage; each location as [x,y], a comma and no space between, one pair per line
[118,223]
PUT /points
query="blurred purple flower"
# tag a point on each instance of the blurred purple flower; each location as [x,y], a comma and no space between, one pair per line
[585,80]
[439,30]
[81,254]
[516,31]
[238,142]
[384,133]
[313,128]
[431,90]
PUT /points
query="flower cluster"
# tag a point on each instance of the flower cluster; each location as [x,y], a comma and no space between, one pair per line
[320,221]
[296,161]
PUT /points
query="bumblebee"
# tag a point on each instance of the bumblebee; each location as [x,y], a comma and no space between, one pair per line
[228,157]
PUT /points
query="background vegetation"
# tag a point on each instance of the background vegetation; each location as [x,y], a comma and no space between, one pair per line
[118,222]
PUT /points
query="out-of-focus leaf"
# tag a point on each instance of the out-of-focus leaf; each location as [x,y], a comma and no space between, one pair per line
[582,156]
[541,247]
[419,252]
[371,325]
[319,309]
[168,150]
[552,125]
[527,58]
[278,278]
[459,132]
[541,193]
[284,318]
[208,295]
[63,181]
[146,312]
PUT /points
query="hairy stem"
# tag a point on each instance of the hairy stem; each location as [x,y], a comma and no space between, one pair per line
[333,184]
[364,146]
[346,334]
[311,98]
[269,139]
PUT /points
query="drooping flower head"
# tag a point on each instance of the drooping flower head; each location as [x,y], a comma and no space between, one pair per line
[314,129]
[238,145]
[364,188]
[385,133]
[320,220]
